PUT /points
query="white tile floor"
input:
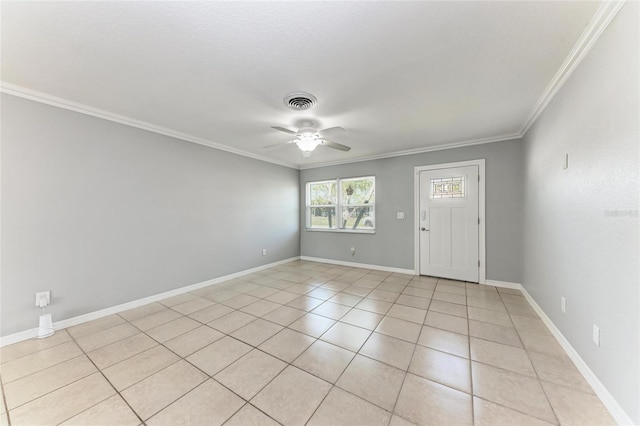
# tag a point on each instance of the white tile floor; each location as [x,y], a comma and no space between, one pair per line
[305,343]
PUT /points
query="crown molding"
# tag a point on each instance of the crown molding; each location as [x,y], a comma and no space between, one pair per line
[605,13]
[600,21]
[22,92]
[470,142]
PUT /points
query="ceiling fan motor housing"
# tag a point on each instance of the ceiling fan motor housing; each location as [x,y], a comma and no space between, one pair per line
[308,132]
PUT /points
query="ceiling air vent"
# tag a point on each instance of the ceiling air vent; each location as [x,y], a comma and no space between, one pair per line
[300,101]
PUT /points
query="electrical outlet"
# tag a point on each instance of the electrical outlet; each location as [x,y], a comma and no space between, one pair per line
[353,251]
[44,296]
[400,215]
[596,335]
[264,252]
[563,305]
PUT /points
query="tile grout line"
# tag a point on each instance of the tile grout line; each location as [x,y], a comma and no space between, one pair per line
[307,372]
[53,390]
[108,381]
[306,312]
[181,358]
[227,366]
[209,377]
[205,324]
[406,372]
[4,401]
[497,367]
[142,332]
[473,411]
[468,336]
[32,353]
[532,364]
[334,385]
[510,371]
[162,369]
[45,368]
[257,348]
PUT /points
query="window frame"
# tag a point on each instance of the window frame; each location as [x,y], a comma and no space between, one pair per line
[339,206]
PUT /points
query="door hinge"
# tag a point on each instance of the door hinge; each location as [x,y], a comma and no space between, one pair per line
[478,221]
[478,263]
[478,178]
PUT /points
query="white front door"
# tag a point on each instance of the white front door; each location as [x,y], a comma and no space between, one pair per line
[449,223]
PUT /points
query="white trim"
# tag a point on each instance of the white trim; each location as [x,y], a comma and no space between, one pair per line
[338,206]
[482,251]
[417,151]
[69,322]
[605,13]
[359,265]
[19,337]
[590,36]
[601,391]
[342,230]
[33,95]
[503,284]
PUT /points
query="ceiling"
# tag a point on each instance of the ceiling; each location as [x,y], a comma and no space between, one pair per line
[398,76]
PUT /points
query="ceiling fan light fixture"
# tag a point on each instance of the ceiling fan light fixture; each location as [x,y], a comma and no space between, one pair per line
[308,138]
[307,143]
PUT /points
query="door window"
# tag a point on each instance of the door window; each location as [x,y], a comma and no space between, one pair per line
[448,187]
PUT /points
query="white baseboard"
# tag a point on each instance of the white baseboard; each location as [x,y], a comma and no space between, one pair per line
[359,265]
[601,391]
[607,399]
[19,336]
[69,322]
[503,284]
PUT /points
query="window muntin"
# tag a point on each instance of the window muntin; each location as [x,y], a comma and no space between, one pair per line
[322,198]
[351,208]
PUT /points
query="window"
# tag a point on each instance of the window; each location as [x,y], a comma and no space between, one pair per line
[451,187]
[342,204]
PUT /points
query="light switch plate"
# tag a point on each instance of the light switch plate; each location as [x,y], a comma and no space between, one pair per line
[400,215]
[596,335]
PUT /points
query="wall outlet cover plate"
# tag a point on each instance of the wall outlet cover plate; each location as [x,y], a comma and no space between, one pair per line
[46,295]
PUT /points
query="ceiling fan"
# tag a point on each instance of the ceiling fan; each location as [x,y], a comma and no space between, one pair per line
[309,138]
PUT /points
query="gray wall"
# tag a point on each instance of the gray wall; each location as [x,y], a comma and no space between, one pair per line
[575,244]
[101,213]
[393,243]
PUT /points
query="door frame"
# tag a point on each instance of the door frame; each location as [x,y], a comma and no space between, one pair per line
[482,271]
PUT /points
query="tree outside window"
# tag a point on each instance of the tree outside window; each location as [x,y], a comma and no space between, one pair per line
[352,207]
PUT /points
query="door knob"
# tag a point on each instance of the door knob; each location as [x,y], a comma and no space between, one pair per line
[423,229]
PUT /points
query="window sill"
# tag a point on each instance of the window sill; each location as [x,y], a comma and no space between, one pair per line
[343,231]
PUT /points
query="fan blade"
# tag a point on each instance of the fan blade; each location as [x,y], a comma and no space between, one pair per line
[335,145]
[279,144]
[331,130]
[282,129]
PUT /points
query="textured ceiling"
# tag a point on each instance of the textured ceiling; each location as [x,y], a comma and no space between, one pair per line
[397,76]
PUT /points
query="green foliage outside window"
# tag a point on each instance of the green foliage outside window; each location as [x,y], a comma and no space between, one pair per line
[352,208]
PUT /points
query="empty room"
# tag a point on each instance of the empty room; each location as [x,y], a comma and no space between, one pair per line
[320,213]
